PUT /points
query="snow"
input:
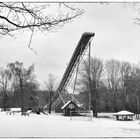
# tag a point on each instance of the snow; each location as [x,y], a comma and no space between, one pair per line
[61,126]
[124,112]
[15,109]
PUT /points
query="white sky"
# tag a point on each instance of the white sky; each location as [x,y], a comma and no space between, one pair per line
[116,36]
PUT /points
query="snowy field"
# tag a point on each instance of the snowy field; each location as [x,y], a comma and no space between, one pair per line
[60,126]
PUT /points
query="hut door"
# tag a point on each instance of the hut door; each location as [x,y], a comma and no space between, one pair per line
[71,109]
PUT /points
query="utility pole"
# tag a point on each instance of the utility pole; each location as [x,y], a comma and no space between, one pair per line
[89,80]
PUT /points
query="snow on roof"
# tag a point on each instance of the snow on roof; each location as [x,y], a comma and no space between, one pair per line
[15,109]
[124,112]
[79,105]
[65,105]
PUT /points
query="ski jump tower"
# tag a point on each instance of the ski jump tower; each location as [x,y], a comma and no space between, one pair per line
[73,65]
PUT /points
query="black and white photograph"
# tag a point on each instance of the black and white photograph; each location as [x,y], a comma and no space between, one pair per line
[69,69]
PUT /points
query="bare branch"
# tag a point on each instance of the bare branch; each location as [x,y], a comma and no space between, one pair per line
[16,17]
[21,16]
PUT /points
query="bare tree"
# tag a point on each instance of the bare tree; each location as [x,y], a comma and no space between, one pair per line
[95,81]
[20,77]
[51,88]
[134,87]
[5,86]
[126,70]
[113,78]
[44,17]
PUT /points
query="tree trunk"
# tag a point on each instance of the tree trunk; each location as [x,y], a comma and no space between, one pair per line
[94,108]
[137,106]
[50,108]
[50,105]
[106,106]
[5,102]
[21,91]
[115,107]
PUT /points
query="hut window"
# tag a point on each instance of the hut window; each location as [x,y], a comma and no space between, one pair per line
[71,106]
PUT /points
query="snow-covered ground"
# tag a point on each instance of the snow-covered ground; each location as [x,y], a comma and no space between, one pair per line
[60,126]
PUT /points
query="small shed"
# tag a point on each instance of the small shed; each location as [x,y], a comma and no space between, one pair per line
[70,109]
[124,115]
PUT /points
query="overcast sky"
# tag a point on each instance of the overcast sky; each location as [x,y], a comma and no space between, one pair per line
[116,36]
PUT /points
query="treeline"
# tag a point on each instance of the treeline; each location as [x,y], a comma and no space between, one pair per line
[114,86]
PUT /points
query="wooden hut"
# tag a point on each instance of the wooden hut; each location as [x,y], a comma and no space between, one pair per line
[70,109]
[124,115]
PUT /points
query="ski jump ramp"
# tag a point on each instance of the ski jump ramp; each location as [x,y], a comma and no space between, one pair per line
[79,50]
